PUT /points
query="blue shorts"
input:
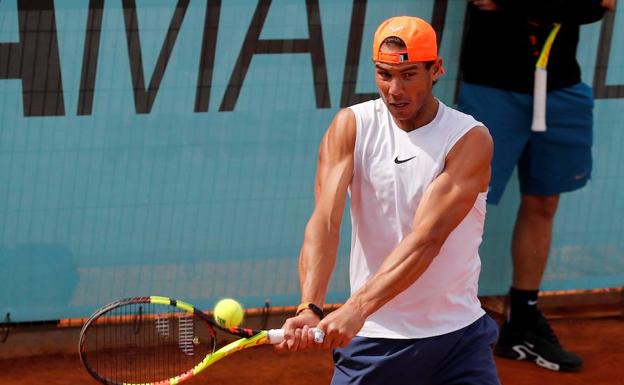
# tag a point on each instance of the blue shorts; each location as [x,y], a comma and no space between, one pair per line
[461,357]
[550,162]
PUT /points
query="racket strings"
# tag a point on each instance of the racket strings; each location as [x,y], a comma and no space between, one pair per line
[144,343]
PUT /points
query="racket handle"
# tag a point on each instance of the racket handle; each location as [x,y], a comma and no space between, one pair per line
[539,101]
[277,335]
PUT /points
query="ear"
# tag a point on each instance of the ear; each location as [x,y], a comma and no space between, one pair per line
[437,69]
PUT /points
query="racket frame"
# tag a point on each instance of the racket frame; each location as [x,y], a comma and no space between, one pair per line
[249,338]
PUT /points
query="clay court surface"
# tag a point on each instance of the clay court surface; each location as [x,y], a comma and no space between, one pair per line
[599,341]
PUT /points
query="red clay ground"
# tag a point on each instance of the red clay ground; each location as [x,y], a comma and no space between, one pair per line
[599,341]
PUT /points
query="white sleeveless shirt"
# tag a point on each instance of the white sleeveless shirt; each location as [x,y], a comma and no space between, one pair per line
[385,191]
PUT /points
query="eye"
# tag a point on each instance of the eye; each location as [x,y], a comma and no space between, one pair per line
[384,74]
[409,75]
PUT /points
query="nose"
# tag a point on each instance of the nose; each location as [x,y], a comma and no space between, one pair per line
[396,88]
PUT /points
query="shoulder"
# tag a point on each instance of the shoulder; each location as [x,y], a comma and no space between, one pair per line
[341,132]
[479,135]
[345,116]
[344,122]
[471,157]
[476,142]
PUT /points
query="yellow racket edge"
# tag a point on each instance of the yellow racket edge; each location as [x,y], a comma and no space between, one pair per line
[542,61]
[231,348]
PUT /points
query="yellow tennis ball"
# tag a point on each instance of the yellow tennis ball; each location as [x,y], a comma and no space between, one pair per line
[228,313]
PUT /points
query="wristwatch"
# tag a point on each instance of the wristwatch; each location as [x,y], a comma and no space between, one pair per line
[309,305]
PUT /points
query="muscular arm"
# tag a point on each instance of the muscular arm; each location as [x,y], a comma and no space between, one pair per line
[333,176]
[444,205]
[320,244]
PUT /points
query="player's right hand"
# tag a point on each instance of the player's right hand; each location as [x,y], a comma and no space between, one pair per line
[298,335]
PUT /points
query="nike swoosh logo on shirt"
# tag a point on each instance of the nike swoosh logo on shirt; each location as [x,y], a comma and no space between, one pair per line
[399,161]
[532,302]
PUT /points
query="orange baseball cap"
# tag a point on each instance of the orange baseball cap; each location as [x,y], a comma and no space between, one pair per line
[418,35]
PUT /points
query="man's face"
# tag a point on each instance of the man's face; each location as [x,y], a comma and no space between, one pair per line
[405,87]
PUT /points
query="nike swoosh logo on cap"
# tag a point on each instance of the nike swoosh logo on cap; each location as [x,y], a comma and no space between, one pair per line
[395,29]
[399,161]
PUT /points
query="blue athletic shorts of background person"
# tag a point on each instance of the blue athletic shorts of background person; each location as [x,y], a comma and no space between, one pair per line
[550,162]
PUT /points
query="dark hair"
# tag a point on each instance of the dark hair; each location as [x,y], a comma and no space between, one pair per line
[393,40]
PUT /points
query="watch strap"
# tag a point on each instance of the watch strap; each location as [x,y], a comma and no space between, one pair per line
[311,306]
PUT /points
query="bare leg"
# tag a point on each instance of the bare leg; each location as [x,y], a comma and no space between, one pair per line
[531,239]
[526,335]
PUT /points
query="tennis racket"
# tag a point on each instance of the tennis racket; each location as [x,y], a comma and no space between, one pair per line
[158,340]
[539,87]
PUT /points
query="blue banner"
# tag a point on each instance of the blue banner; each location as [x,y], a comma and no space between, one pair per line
[169,147]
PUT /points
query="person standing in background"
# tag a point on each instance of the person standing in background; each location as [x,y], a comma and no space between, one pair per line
[503,41]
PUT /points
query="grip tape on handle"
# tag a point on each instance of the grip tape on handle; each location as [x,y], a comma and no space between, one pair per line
[277,335]
[539,101]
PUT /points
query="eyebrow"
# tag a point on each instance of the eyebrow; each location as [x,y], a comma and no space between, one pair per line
[410,68]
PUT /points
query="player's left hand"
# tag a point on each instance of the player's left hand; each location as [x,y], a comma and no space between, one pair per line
[297,334]
[341,325]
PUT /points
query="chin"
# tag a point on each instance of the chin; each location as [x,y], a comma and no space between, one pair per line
[403,115]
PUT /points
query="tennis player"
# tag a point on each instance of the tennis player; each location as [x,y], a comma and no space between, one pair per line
[417,172]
